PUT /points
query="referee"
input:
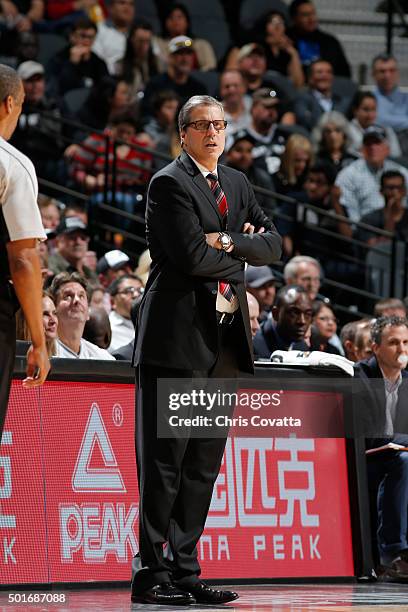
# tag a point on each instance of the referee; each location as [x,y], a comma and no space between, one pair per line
[20,230]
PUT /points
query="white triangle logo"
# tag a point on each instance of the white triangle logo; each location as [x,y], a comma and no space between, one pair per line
[85,478]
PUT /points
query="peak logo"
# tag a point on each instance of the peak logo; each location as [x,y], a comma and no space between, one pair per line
[93,479]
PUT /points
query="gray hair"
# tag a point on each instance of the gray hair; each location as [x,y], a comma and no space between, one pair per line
[339,120]
[10,82]
[185,111]
[291,268]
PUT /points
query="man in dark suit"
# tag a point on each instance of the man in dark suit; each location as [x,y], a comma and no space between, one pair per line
[203,223]
[382,410]
[318,97]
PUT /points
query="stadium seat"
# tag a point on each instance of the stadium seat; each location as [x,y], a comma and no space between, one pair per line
[75,98]
[208,21]
[209,78]
[251,10]
[49,45]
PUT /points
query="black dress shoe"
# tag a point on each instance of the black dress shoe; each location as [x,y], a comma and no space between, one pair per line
[202,593]
[164,594]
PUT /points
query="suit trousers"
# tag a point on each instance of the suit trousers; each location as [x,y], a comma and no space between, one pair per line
[388,487]
[7,349]
[176,476]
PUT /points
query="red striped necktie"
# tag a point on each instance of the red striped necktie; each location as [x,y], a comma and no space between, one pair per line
[224,288]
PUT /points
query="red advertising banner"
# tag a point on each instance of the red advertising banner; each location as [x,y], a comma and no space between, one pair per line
[280,506]
[23,548]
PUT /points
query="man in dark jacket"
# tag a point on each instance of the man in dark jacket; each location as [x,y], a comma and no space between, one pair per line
[381,407]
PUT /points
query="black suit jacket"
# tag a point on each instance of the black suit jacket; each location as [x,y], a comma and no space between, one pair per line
[369,404]
[177,324]
[308,110]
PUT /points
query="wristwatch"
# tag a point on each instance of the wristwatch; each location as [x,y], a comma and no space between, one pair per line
[225,240]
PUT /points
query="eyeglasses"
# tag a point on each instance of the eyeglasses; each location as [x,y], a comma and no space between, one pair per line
[131,291]
[204,126]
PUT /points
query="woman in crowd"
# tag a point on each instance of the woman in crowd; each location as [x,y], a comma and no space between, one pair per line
[280,52]
[177,22]
[142,57]
[364,114]
[106,98]
[162,127]
[50,323]
[331,138]
[324,328]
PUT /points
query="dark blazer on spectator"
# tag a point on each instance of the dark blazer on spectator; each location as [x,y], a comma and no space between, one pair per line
[369,405]
[182,287]
[308,110]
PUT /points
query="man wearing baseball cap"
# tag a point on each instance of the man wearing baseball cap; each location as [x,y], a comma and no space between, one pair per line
[260,281]
[178,76]
[360,181]
[72,244]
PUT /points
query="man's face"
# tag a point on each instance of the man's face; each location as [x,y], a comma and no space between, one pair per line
[265,294]
[240,155]
[50,216]
[294,316]
[264,115]
[252,66]
[84,37]
[366,113]
[124,131]
[394,343]
[305,18]
[321,77]
[141,41]
[232,88]
[73,246]
[204,146]
[253,309]
[72,305]
[386,74]
[394,190]
[182,61]
[128,290]
[375,152]
[317,187]
[123,12]
[308,277]
[34,88]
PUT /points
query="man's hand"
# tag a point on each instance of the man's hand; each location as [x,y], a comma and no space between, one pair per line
[248,228]
[38,366]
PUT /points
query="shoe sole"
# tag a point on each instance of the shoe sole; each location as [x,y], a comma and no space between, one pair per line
[142,600]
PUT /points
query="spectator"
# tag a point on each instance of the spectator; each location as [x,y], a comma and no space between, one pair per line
[141,61]
[97,328]
[178,77]
[90,260]
[50,323]
[360,181]
[318,98]
[392,103]
[69,292]
[76,65]
[49,211]
[364,111]
[72,244]
[110,42]
[143,266]
[390,307]
[292,316]
[280,52]
[311,42]
[28,47]
[39,130]
[236,104]
[113,265]
[132,165]
[324,327]
[107,98]
[162,126]
[393,217]
[261,283]
[123,291]
[177,23]
[239,156]
[304,271]
[296,161]
[76,209]
[354,349]
[266,129]
[253,309]
[17,17]
[331,137]
[98,298]
[381,406]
